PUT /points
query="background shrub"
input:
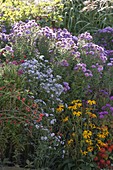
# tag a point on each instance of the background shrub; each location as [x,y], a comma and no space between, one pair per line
[80,16]
[46,13]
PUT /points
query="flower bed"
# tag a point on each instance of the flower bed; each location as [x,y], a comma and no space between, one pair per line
[56,99]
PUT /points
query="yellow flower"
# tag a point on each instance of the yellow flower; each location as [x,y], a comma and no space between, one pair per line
[89,113]
[103,144]
[70,141]
[105,130]
[91,102]
[100,135]
[75,101]
[74,107]
[79,105]
[92,126]
[88,109]
[99,141]
[84,152]
[93,115]
[65,119]
[100,144]
[90,148]
[89,142]
[60,108]
[87,134]
[106,133]
[77,113]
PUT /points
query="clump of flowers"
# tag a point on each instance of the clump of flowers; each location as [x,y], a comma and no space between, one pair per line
[20,40]
[104,155]
[39,72]
[82,130]
[23,117]
[104,38]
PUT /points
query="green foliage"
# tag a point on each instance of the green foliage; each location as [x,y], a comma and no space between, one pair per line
[16,112]
[81,16]
[71,14]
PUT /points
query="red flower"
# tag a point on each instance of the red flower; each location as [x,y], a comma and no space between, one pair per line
[108,162]
[102,150]
[23,99]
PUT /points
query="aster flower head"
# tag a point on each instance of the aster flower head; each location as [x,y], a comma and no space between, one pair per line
[111,98]
[64,63]
[66,86]
[85,36]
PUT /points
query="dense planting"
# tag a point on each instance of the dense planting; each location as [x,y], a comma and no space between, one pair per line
[56,96]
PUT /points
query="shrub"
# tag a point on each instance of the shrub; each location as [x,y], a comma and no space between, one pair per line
[17,115]
[44,13]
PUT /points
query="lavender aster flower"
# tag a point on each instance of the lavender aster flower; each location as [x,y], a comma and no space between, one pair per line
[111,98]
[111,108]
[64,63]
[66,86]
[8,48]
[109,64]
[101,116]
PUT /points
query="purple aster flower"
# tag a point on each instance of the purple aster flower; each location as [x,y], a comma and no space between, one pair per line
[75,39]
[101,116]
[101,113]
[64,63]
[111,108]
[28,32]
[104,92]
[100,68]
[86,36]
[109,64]
[66,86]
[111,98]
[14,62]
[93,66]
[8,48]
[103,107]
[86,74]
[20,72]
[108,105]
[3,30]
[105,112]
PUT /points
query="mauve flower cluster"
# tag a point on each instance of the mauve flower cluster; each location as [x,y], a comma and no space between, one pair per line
[85,36]
[104,38]
[106,30]
[21,28]
[110,63]
[3,37]
[82,66]
[66,86]
[21,32]
[63,40]
[81,50]
[94,51]
[107,109]
[91,56]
